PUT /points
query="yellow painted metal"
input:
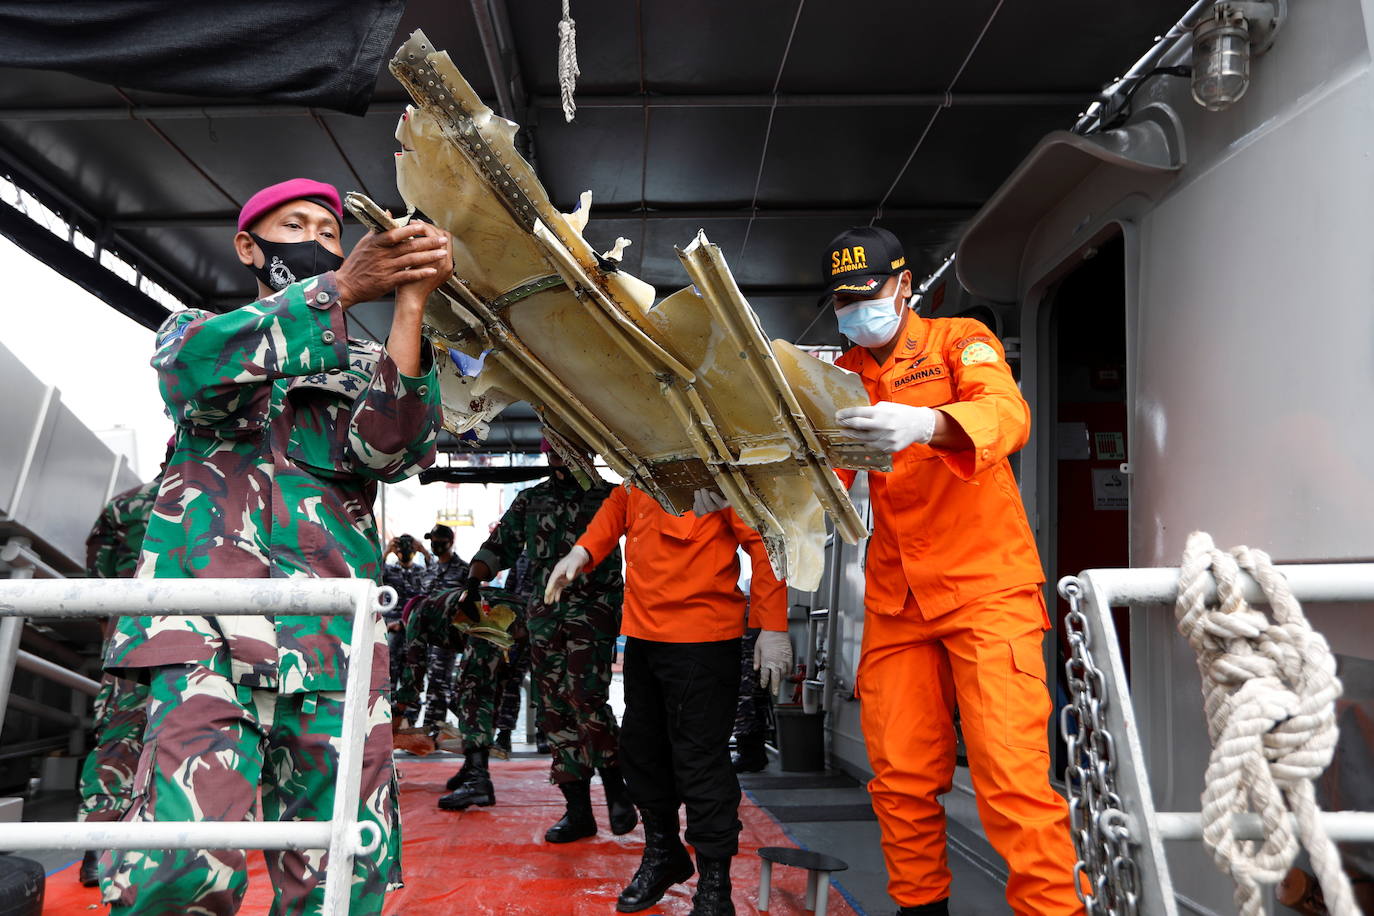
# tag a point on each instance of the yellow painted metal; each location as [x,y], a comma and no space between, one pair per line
[684,394]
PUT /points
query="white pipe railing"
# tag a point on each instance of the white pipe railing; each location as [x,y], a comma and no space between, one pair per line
[1341,826]
[89,598]
[341,835]
[1103,589]
[298,835]
[1343,582]
[18,552]
[35,664]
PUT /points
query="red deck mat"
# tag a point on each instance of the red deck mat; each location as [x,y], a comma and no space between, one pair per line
[494,861]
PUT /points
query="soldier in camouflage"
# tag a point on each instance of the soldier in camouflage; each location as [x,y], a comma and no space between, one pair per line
[510,674]
[284,426]
[121,712]
[429,644]
[446,570]
[481,684]
[487,696]
[572,644]
[408,581]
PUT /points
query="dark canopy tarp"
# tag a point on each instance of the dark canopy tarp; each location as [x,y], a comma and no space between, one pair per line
[320,53]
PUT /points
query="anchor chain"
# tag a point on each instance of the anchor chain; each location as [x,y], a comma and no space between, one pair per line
[1100,827]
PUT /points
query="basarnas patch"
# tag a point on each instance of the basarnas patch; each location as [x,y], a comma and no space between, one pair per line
[978,353]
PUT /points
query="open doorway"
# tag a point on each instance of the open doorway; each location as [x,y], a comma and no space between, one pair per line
[1089,498]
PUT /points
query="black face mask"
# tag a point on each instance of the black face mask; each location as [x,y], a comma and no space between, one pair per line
[283,263]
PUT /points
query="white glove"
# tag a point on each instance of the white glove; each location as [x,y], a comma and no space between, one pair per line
[888,425]
[772,659]
[566,570]
[705,501]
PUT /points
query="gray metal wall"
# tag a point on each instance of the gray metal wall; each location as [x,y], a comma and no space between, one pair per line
[1249,284]
[55,474]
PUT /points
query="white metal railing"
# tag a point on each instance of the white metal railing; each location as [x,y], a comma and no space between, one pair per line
[1099,590]
[342,835]
[36,664]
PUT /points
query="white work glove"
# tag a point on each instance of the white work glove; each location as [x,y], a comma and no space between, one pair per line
[772,659]
[887,425]
[564,571]
[705,501]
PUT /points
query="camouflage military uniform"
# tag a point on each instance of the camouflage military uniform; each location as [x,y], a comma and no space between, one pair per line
[439,657]
[406,580]
[486,669]
[516,665]
[284,428]
[429,645]
[572,643]
[486,696]
[107,774]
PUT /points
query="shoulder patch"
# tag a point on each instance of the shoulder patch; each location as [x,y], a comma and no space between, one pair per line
[978,352]
[975,338]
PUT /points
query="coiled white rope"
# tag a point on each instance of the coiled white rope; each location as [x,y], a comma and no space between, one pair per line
[1269,691]
[568,71]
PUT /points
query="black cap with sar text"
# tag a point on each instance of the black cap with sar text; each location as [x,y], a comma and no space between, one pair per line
[859,260]
[439,531]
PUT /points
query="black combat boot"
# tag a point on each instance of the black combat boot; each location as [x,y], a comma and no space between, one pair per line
[477,790]
[749,755]
[577,822]
[713,888]
[665,863]
[541,743]
[89,875]
[501,746]
[622,812]
[457,779]
[938,908]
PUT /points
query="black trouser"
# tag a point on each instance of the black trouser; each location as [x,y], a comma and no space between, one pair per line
[751,711]
[675,737]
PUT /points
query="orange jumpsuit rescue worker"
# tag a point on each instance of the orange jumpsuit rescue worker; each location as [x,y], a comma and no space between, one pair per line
[683,621]
[954,610]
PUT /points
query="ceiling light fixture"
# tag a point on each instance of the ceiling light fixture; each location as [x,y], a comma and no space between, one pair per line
[1223,41]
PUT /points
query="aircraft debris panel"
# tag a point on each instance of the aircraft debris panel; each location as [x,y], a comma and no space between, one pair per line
[675,396]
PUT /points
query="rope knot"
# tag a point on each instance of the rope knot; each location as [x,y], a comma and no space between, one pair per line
[1269,690]
[568,71]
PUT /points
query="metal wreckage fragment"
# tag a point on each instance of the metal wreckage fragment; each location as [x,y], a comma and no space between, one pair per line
[684,394]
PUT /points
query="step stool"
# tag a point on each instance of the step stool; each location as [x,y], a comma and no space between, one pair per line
[817,865]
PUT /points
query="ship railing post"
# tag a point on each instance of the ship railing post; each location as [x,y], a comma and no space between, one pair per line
[1142,829]
[15,555]
[347,836]
[343,836]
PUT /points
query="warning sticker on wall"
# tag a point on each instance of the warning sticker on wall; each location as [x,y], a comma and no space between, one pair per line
[1110,490]
[1110,446]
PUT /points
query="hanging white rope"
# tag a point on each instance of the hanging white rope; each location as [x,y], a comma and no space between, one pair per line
[567,61]
[1269,691]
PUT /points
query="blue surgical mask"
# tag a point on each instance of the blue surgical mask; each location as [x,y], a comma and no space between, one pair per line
[870,322]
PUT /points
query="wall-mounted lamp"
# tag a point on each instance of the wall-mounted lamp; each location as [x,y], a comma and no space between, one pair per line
[1223,41]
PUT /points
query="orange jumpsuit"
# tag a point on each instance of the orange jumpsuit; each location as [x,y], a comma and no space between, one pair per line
[955,617]
[682,571]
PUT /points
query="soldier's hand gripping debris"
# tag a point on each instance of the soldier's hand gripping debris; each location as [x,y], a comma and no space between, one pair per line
[382,261]
[470,602]
[567,570]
